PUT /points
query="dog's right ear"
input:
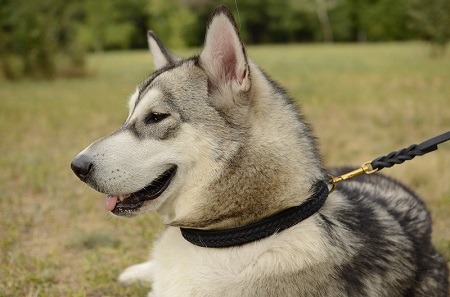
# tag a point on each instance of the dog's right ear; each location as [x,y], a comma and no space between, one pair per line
[224,56]
[161,55]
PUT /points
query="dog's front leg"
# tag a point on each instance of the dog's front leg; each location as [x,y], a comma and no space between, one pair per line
[142,273]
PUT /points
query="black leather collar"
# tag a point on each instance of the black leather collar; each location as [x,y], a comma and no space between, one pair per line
[264,228]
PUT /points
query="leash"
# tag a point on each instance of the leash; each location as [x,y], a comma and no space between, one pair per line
[397,157]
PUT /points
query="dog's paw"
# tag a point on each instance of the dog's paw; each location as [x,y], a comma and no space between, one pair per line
[142,273]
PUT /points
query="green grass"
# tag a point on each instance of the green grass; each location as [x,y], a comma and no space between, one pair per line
[362,100]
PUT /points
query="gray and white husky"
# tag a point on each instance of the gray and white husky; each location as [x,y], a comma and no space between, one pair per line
[211,143]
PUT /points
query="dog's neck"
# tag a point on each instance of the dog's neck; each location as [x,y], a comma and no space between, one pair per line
[231,237]
[273,169]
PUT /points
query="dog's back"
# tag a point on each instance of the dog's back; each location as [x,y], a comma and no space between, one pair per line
[395,232]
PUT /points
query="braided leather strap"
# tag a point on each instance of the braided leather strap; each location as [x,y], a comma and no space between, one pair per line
[409,153]
[397,157]
[258,230]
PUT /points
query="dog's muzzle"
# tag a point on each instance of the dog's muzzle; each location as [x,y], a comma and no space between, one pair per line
[129,203]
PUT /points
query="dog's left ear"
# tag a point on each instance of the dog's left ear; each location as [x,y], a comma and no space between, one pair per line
[224,56]
[161,55]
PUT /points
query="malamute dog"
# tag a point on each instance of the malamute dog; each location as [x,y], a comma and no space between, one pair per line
[218,150]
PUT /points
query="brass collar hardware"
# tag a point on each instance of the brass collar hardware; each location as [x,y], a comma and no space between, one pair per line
[365,168]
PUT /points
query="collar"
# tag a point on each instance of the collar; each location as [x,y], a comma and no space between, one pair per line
[261,229]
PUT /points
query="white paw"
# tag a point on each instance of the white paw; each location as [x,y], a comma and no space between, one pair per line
[137,273]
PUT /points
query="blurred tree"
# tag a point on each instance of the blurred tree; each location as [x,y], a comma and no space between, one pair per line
[384,20]
[35,34]
[32,33]
[430,20]
[342,21]
[263,21]
[114,24]
[172,21]
[321,8]
[290,25]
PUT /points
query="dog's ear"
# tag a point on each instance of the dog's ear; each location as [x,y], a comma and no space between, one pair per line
[161,55]
[224,56]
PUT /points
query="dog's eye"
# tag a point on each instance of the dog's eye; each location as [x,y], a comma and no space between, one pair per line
[155,117]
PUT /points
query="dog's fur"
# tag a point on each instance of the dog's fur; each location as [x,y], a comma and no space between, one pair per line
[243,153]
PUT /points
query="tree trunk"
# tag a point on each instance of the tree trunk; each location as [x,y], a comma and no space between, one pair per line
[322,14]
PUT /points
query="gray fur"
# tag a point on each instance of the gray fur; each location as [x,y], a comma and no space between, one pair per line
[244,152]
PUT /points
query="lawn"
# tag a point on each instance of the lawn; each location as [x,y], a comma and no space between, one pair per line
[57,240]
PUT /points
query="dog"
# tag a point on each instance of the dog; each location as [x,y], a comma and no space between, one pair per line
[218,150]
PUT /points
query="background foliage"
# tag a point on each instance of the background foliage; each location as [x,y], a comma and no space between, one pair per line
[46,38]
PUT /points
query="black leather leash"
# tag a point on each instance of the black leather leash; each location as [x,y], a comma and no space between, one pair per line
[397,157]
[261,229]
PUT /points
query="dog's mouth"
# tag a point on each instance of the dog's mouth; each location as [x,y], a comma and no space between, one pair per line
[125,205]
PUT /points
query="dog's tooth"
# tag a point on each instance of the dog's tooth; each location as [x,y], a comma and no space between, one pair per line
[123,196]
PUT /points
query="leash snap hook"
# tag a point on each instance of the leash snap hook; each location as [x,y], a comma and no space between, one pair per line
[365,168]
[333,183]
[368,168]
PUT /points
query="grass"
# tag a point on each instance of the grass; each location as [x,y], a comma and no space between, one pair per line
[362,100]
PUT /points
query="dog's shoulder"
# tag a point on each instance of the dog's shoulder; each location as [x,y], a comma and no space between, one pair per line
[379,195]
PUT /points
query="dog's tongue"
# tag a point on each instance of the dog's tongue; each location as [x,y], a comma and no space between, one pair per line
[110,202]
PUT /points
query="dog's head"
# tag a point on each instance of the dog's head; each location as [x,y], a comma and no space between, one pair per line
[208,140]
[183,122]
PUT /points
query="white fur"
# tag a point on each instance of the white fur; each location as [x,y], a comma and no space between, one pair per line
[159,58]
[182,269]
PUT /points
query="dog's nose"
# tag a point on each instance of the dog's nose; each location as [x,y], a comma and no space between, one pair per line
[82,166]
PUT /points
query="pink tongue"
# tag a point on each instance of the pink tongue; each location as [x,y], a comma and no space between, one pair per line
[110,202]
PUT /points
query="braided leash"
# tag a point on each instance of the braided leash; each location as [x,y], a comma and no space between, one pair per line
[397,157]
